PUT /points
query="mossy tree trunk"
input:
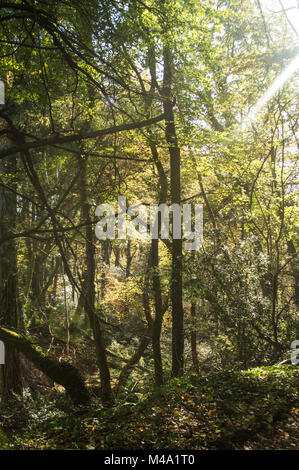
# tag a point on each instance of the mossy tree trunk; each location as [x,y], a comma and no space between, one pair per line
[60,372]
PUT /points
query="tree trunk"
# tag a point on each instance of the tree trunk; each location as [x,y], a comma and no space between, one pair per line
[195,362]
[128,368]
[88,291]
[175,189]
[60,372]
[295,270]
[162,190]
[129,258]
[135,358]
[157,324]
[11,372]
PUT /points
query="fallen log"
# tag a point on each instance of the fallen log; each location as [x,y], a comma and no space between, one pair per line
[60,372]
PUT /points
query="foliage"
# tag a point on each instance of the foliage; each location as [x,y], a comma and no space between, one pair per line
[155,101]
[215,411]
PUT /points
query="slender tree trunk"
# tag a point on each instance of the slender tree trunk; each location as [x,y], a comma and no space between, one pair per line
[195,362]
[129,258]
[88,290]
[157,324]
[175,189]
[116,252]
[144,342]
[295,270]
[162,189]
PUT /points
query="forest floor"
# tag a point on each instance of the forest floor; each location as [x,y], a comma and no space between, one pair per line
[283,436]
[254,409]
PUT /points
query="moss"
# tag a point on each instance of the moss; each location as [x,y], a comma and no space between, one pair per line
[60,372]
[3,441]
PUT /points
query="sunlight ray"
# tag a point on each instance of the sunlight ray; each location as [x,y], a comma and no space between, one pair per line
[282,78]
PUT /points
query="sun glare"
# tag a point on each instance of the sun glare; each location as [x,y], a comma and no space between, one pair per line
[291,10]
[272,90]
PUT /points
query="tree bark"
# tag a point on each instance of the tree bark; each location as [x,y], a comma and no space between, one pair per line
[195,362]
[135,358]
[88,290]
[60,372]
[157,324]
[11,377]
[294,269]
[175,189]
